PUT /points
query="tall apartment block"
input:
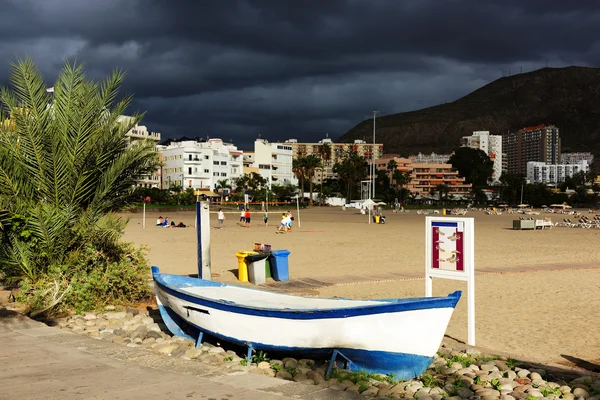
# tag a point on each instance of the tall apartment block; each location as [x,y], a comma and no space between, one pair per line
[490,145]
[369,151]
[539,143]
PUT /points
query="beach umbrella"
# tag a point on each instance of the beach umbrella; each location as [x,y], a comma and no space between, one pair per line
[503,205]
[523,205]
[567,206]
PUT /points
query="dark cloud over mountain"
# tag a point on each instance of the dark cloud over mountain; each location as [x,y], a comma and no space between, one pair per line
[232,69]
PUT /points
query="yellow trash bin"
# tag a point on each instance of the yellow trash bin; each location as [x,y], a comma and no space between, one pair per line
[443,211]
[377,218]
[242,265]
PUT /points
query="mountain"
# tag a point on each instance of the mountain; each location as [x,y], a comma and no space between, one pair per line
[566,97]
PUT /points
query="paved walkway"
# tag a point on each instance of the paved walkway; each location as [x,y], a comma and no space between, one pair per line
[40,362]
[304,284]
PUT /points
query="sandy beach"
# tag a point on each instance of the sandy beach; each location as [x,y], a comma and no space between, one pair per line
[540,315]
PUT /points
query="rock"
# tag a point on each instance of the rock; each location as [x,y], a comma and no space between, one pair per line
[132,311]
[306,363]
[535,393]
[518,395]
[315,377]
[269,372]
[489,367]
[337,386]
[534,376]
[303,379]
[371,391]
[147,320]
[115,323]
[564,389]
[290,363]
[118,339]
[487,392]
[465,393]
[510,374]
[79,322]
[115,315]
[78,329]
[523,373]
[216,350]
[568,396]
[179,351]
[579,392]
[164,348]
[264,365]
[110,308]
[90,317]
[154,327]
[153,335]
[421,393]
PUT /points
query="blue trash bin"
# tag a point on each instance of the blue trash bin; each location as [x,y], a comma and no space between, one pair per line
[279,265]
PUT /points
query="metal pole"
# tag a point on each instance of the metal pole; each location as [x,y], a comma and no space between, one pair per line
[203,234]
[298,210]
[373,153]
[144,216]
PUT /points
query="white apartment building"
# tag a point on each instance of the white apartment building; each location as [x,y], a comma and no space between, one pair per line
[200,165]
[490,145]
[136,134]
[539,172]
[432,158]
[274,162]
[573,158]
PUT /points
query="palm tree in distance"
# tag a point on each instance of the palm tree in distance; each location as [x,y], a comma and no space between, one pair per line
[221,185]
[299,169]
[311,164]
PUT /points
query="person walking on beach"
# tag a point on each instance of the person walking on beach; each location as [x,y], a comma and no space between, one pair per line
[242,217]
[221,217]
[266,217]
[247,217]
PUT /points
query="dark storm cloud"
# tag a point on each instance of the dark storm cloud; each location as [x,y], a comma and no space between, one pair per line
[233,69]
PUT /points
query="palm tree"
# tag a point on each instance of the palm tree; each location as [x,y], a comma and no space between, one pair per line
[351,170]
[391,167]
[221,185]
[311,164]
[325,152]
[65,165]
[299,169]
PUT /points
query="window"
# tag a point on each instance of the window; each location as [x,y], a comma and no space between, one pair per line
[215,163]
[190,170]
[206,157]
[223,162]
[195,169]
[223,174]
[190,157]
[206,171]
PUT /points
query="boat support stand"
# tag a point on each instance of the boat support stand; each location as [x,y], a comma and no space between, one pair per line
[332,362]
[199,340]
[249,355]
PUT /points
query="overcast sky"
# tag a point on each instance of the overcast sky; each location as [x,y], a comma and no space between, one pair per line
[295,69]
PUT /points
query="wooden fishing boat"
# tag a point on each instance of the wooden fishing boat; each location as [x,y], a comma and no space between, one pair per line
[399,336]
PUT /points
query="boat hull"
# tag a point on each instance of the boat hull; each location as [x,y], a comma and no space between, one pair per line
[378,340]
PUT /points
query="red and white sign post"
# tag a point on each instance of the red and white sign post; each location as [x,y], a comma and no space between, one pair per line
[450,254]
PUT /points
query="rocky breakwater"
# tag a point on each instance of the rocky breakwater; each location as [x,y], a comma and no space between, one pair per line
[452,375]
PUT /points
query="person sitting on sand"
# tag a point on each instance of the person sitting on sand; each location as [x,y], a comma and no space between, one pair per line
[181,225]
[166,222]
[159,221]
